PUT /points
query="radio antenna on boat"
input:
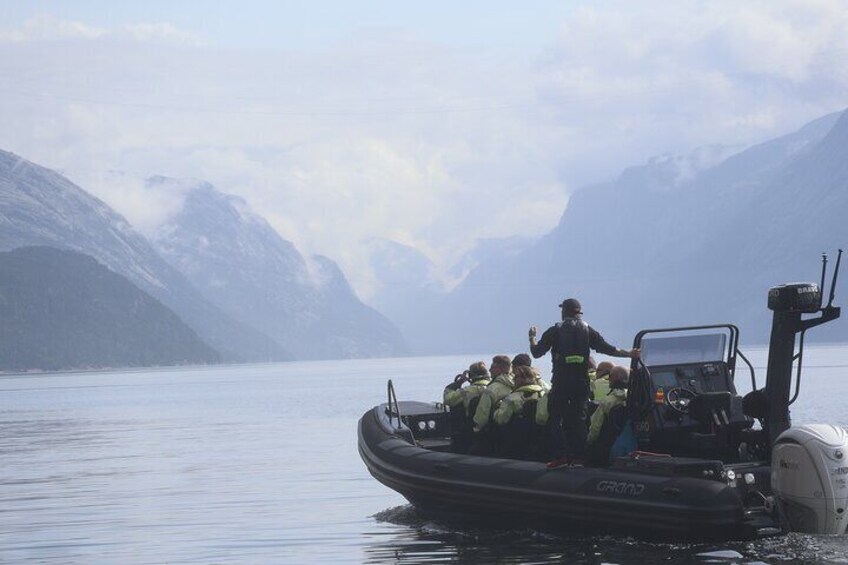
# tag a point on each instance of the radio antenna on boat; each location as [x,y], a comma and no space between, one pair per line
[821,286]
[833,282]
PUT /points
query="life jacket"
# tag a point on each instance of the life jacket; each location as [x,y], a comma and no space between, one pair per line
[572,347]
[474,390]
[616,397]
[527,391]
[497,390]
[600,388]
[501,386]
[542,413]
[454,396]
[546,386]
[615,430]
[512,404]
[528,409]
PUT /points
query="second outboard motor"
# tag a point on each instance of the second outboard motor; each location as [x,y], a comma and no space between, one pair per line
[809,477]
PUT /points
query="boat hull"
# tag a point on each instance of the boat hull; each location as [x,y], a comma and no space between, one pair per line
[608,500]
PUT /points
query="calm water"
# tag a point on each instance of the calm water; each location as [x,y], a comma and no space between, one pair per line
[258,464]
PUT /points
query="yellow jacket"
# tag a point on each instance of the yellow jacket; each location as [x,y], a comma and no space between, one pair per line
[514,402]
[599,388]
[605,404]
[497,390]
[454,396]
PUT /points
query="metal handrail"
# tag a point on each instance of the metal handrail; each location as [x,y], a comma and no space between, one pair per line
[393,401]
[750,368]
[800,358]
[732,346]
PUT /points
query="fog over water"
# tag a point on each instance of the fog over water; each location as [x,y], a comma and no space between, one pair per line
[259,464]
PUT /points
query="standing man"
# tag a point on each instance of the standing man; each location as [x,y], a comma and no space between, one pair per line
[569,342]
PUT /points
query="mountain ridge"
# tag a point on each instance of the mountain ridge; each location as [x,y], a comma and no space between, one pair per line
[705,251]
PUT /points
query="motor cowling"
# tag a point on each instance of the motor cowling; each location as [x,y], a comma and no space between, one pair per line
[809,478]
[795,297]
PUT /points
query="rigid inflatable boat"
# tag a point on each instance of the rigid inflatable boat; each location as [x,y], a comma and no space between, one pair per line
[709,463]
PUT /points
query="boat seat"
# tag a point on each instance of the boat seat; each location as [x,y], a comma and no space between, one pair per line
[755,404]
[521,434]
[528,410]
[598,452]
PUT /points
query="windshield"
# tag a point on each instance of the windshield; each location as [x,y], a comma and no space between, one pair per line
[683,349]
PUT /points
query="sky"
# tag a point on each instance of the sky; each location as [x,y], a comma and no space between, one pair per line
[435,124]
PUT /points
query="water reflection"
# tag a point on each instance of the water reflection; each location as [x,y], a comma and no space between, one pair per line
[236,465]
[416,540]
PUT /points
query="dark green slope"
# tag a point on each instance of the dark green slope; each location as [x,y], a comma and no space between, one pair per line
[63,310]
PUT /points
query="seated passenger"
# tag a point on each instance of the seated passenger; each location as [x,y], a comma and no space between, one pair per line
[599,383]
[540,445]
[484,436]
[602,430]
[525,389]
[460,400]
[511,416]
[524,360]
[478,378]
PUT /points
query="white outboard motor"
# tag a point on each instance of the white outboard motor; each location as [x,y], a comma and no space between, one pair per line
[809,477]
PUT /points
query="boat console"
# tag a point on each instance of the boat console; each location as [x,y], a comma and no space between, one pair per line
[683,398]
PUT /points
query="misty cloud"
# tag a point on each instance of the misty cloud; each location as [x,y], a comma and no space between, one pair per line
[390,133]
[46,27]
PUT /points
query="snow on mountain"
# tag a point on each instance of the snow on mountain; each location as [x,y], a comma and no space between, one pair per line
[241,264]
[407,286]
[668,171]
[42,208]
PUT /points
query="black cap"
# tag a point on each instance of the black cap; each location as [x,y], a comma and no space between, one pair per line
[571,305]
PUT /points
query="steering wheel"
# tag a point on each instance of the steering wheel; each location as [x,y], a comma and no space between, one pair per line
[678,399]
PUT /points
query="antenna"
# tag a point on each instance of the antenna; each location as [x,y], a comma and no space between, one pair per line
[833,282]
[821,286]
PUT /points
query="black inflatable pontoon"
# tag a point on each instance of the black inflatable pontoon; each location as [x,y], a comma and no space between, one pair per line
[704,469]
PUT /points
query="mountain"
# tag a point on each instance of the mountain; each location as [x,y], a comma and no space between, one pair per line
[247,269]
[64,310]
[489,249]
[39,207]
[410,294]
[656,248]
[407,289]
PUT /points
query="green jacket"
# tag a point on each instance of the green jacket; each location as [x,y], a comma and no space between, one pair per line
[514,402]
[540,381]
[605,404]
[454,396]
[497,390]
[542,413]
[599,388]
